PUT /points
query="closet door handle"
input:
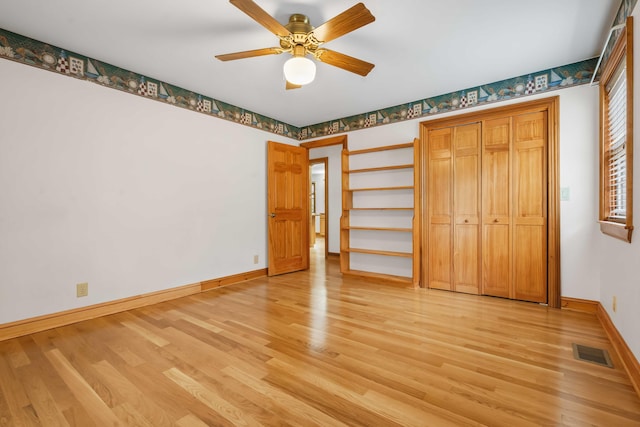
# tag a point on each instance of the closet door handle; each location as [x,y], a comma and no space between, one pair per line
[273,215]
[495,220]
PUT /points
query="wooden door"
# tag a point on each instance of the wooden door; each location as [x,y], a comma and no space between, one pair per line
[466,208]
[440,218]
[530,207]
[288,208]
[496,208]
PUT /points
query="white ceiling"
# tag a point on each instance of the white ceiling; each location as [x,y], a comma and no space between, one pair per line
[421,48]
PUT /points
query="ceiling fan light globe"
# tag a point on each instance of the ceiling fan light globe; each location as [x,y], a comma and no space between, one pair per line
[299,70]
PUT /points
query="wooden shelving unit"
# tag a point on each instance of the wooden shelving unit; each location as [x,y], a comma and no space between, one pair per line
[399,202]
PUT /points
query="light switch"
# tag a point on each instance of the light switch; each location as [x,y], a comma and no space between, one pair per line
[565,194]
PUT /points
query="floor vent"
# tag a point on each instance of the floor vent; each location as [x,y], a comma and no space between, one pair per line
[592,354]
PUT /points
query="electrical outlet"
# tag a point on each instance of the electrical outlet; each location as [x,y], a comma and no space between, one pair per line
[256,259]
[82,289]
[615,303]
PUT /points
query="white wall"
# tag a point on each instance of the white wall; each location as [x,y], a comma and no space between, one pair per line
[620,261]
[334,175]
[125,193]
[579,233]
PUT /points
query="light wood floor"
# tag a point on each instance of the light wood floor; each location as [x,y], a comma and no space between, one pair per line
[312,348]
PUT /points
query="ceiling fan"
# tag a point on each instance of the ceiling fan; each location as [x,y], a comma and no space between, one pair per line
[300,39]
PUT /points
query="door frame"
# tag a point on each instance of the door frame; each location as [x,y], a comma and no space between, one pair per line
[324,161]
[327,142]
[551,106]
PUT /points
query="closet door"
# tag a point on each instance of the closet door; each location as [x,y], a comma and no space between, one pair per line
[491,219]
[514,207]
[530,207]
[496,208]
[466,208]
[440,219]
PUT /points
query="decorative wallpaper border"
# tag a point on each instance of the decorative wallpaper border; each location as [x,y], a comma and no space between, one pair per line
[42,55]
[543,81]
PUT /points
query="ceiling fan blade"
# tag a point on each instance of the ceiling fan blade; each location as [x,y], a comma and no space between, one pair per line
[349,20]
[249,53]
[345,62]
[261,17]
[292,86]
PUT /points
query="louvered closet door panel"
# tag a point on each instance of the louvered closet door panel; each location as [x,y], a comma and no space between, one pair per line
[440,204]
[496,208]
[530,207]
[466,207]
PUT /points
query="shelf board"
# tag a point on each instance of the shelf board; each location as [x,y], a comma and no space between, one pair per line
[404,230]
[381,168]
[380,277]
[384,148]
[377,252]
[403,187]
[380,209]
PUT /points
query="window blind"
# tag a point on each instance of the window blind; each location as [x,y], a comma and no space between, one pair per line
[616,150]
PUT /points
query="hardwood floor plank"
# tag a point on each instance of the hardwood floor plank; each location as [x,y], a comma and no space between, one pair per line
[409,414]
[347,379]
[245,398]
[44,405]
[12,393]
[470,400]
[131,417]
[81,390]
[82,352]
[333,405]
[41,368]
[303,412]
[201,323]
[316,348]
[5,411]
[190,421]
[205,357]
[146,333]
[211,399]
[133,405]
[15,354]
[122,345]
[161,391]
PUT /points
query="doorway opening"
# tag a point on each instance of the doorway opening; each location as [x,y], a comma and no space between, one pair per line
[319,207]
[328,151]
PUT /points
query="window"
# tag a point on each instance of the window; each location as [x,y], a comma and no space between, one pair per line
[616,139]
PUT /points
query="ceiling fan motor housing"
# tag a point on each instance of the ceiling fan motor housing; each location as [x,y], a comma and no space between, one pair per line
[299,23]
[299,27]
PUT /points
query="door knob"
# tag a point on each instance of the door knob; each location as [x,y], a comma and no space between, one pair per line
[273,215]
